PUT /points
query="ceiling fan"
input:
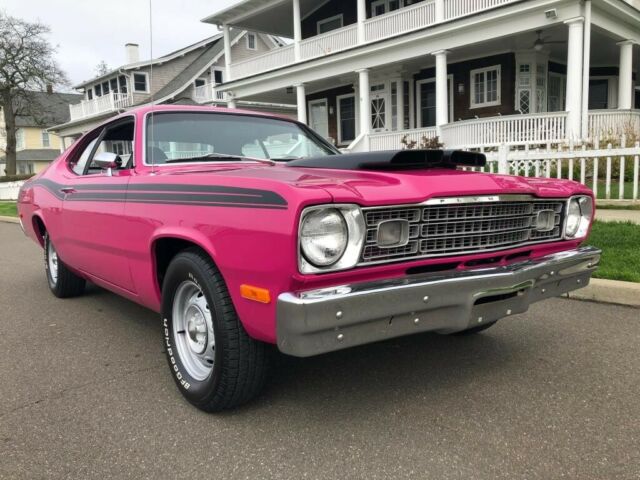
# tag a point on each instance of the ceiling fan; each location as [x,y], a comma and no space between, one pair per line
[541,42]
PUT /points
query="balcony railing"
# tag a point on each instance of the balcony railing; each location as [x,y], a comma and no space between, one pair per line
[378,28]
[393,140]
[330,42]
[511,129]
[607,123]
[208,93]
[400,21]
[106,103]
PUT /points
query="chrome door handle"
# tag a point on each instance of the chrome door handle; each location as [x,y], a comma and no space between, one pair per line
[67,190]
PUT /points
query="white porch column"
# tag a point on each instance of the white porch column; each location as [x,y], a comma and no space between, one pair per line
[586,68]
[362,16]
[439,10]
[625,78]
[442,104]
[301,97]
[297,29]
[400,103]
[364,90]
[574,77]
[227,52]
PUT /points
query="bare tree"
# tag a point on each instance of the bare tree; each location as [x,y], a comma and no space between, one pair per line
[26,65]
[102,68]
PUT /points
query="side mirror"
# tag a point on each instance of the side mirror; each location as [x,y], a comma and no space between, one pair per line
[107,161]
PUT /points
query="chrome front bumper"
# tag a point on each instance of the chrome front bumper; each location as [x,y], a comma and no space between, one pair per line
[318,321]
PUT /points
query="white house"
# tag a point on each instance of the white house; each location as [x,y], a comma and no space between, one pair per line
[475,73]
[188,75]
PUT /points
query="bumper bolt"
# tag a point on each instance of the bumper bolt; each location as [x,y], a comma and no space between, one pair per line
[339,314]
[340,337]
[425,299]
[479,319]
[416,321]
[544,290]
[578,281]
[508,312]
[552,273]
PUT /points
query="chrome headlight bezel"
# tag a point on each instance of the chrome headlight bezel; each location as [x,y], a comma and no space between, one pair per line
[582,207]
[354,221]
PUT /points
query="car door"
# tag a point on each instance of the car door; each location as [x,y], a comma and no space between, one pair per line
[94,227]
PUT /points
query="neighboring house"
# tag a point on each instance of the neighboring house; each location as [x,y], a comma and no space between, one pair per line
[36,147]
[188,75]
[367,73]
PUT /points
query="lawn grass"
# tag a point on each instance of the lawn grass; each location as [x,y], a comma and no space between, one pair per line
[620,244]
[615,189]
[618,207]
[8,209]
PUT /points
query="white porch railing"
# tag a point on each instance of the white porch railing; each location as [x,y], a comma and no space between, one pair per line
[459,8]
[208,93]
[106,103]
[330,42]
[393,140]
[400,21]
[611,172]
[377,28]
[276,58]
[613,122]
[513,129]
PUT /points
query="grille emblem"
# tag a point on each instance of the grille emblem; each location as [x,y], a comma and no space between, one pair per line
[545,220]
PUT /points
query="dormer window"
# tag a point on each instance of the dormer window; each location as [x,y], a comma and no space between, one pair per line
[251,41]
[140,83]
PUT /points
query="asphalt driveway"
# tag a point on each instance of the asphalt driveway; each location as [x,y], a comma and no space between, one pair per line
[85,393]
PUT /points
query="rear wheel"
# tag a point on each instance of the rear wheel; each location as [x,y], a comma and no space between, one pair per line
[63,283]
[215,364]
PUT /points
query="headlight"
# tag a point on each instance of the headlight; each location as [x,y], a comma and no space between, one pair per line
[330,238]
[323,237]
[579,216]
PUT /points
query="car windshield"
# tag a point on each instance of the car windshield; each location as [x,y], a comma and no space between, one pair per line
[213,137]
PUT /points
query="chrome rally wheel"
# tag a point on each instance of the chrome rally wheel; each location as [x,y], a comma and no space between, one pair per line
[193,330]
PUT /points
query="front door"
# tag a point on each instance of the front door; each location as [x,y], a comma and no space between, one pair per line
[379,107]
[95,229]
[319,117]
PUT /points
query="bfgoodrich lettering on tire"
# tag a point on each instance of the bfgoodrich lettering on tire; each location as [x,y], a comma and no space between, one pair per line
[62,281]
[213,361]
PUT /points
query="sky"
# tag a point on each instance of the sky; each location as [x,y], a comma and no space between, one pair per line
[87,32]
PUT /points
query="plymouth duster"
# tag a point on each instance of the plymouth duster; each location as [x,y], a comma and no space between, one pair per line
[245,229]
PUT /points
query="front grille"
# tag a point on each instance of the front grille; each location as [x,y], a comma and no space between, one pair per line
[461,228]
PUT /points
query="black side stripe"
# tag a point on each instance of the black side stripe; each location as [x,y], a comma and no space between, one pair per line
[201,195]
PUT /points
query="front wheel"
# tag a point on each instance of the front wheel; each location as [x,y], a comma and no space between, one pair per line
[215,364]
[63,283]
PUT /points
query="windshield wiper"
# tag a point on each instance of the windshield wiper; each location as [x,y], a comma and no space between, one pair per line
[220,157]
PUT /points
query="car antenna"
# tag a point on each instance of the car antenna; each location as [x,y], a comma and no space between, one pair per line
[151,118]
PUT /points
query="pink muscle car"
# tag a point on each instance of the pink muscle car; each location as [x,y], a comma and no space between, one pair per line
[245,230]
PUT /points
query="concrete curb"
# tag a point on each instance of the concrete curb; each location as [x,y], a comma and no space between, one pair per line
[9,219]
[609,291]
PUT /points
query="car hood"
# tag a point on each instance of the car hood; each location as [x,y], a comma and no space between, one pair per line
[379,188]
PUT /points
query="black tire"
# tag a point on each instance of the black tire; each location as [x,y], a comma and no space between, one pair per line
[240,364]
[474,330]
[66,284]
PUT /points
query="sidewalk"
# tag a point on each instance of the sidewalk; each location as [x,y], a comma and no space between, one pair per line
[618,216]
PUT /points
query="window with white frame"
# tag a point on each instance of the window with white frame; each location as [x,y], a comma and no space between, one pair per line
[331,23]
[140,82]
[19,139]
[346,118]
[217,75]
[485,87]
[46,141]
[200,82]
[251,41]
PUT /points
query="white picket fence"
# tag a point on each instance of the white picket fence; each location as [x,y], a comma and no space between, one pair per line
[9,190]
[604,169]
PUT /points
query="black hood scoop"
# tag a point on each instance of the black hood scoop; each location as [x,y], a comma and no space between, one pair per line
[394,160]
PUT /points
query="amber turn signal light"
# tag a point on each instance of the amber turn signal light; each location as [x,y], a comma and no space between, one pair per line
[256,294]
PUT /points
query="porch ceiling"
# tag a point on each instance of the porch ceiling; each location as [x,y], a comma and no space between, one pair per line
[274,17]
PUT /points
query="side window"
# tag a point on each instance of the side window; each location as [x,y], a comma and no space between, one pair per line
[117,139]
[78,167]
